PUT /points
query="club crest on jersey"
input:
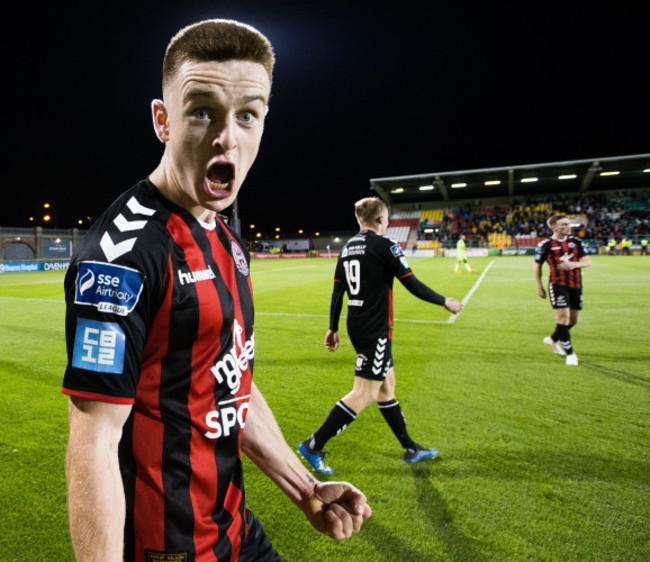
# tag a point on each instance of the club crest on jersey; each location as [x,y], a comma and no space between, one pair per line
[109,288]
[361,361]
[240,258]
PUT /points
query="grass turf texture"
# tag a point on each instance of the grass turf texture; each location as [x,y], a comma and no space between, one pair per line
[538,461]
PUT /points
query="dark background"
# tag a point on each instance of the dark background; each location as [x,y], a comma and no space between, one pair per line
[360,91]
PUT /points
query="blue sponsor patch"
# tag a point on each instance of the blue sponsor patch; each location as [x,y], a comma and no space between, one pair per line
[109,288]
[98,346]
[397,250]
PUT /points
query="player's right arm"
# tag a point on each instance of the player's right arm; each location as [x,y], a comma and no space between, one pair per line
[540,255]
[96,503]
[538,279]
[336,305]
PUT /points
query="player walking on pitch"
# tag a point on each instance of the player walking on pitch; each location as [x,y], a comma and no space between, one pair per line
[565,257]
[365,271]
[461,257]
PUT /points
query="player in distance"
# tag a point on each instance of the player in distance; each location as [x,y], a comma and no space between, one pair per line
[461,256]
[566,258]
[365,270]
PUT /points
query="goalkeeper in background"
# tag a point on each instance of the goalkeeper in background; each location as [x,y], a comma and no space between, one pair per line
[365,271]
[461,257]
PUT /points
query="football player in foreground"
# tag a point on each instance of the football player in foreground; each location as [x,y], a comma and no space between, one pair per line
[159,329]
[565,257]
[365,271]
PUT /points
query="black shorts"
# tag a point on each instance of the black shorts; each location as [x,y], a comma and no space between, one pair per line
[565,297]
[374,357]
[257,545]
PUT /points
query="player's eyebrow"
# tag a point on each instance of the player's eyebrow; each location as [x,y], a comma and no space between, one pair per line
[197,93]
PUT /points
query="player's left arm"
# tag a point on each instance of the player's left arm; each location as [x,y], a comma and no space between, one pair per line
[414,286]
[336,509]
[332,336]
[584,261]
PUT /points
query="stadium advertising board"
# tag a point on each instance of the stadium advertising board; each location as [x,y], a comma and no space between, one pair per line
[32,266]
[57,248]
[522,251]
[469,252]
[277,256]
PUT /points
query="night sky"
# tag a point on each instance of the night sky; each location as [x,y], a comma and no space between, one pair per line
[360,92]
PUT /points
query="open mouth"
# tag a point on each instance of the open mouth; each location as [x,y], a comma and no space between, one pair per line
[220,176]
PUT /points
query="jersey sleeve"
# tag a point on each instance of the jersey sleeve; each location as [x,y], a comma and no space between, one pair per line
[540,251]
[111,295]
[338,291]
[580,247]
[422,291]
[395,259]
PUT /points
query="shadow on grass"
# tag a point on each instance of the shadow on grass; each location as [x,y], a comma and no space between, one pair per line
[540,465]
[433,508]
[619,374]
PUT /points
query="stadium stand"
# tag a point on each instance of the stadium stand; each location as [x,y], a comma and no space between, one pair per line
[523,224]
[403,226]
[606,197]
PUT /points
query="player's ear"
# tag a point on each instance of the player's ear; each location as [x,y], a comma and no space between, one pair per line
[160,120]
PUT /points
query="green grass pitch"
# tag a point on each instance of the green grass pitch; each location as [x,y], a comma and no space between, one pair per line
[538,461]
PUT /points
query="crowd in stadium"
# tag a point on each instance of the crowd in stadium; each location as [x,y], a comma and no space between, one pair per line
[606,219]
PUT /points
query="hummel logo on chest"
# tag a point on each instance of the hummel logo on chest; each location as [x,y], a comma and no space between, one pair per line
[195,276]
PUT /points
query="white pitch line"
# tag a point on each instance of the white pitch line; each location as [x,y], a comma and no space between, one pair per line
[344,316]
[58,282]
[292,314]
[450,320]
[466,298]
[28,299]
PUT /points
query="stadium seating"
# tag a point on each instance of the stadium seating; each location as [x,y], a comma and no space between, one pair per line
[524,223]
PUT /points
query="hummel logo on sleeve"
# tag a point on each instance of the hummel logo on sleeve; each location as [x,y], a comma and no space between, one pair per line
[113,250]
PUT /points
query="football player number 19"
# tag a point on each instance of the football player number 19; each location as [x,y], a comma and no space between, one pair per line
[353,275]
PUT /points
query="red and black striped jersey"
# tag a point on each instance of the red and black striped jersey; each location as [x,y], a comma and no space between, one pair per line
[554,252]
[160,315]
[366,267]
